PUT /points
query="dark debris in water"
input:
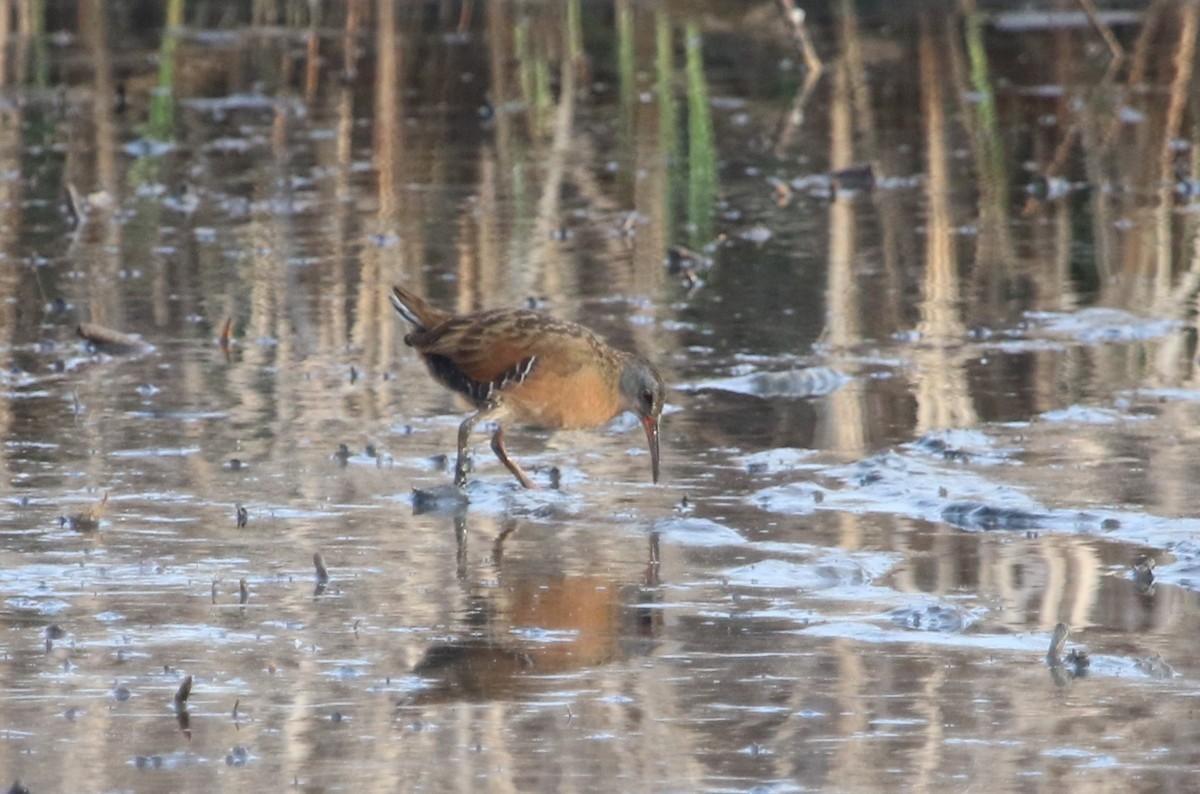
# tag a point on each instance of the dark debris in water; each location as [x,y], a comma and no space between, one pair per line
[932,617]
[53,633]
[687,265]
[445,498]
[1065,668]
[854,178]
[976,515]
[238,756]
[86,521]
[685,506]
[938,446]
[1143,575]
[177,760]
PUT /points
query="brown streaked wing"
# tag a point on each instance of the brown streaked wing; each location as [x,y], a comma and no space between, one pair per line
[427,316]
[487,345]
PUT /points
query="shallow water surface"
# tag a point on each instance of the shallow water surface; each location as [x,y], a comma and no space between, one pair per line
[926,312]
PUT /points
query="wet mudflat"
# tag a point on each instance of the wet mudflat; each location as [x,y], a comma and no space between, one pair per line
[926,306]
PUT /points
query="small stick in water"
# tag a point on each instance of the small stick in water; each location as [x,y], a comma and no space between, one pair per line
[181,694]
[1057,641]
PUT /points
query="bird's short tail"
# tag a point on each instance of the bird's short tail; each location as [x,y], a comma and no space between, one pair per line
[413,308]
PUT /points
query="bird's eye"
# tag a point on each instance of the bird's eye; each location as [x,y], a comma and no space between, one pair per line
[647,397]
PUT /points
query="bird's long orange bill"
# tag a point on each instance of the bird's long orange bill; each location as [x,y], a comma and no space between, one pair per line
[651,426]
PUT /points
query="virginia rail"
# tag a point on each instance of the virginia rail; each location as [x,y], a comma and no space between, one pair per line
[533,368]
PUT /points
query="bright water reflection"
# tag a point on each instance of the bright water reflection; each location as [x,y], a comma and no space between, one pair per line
[922,411]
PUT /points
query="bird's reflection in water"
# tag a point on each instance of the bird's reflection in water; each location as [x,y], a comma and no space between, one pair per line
[523,622]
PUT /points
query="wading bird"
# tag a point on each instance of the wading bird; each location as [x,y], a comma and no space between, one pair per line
[533,368]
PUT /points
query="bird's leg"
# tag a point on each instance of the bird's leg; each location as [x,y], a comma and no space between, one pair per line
[493,409]
[464,434]
[509,463]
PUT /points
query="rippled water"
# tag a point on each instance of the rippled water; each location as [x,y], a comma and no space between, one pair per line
[919,414]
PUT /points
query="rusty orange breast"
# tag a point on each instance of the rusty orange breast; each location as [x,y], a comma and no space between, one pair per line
[581,399]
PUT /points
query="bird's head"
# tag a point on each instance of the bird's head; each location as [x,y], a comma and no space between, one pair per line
[642,393]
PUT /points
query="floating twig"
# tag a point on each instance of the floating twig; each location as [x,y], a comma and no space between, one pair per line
[108,340]
[795,18]
[225,337]
[1110,41]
